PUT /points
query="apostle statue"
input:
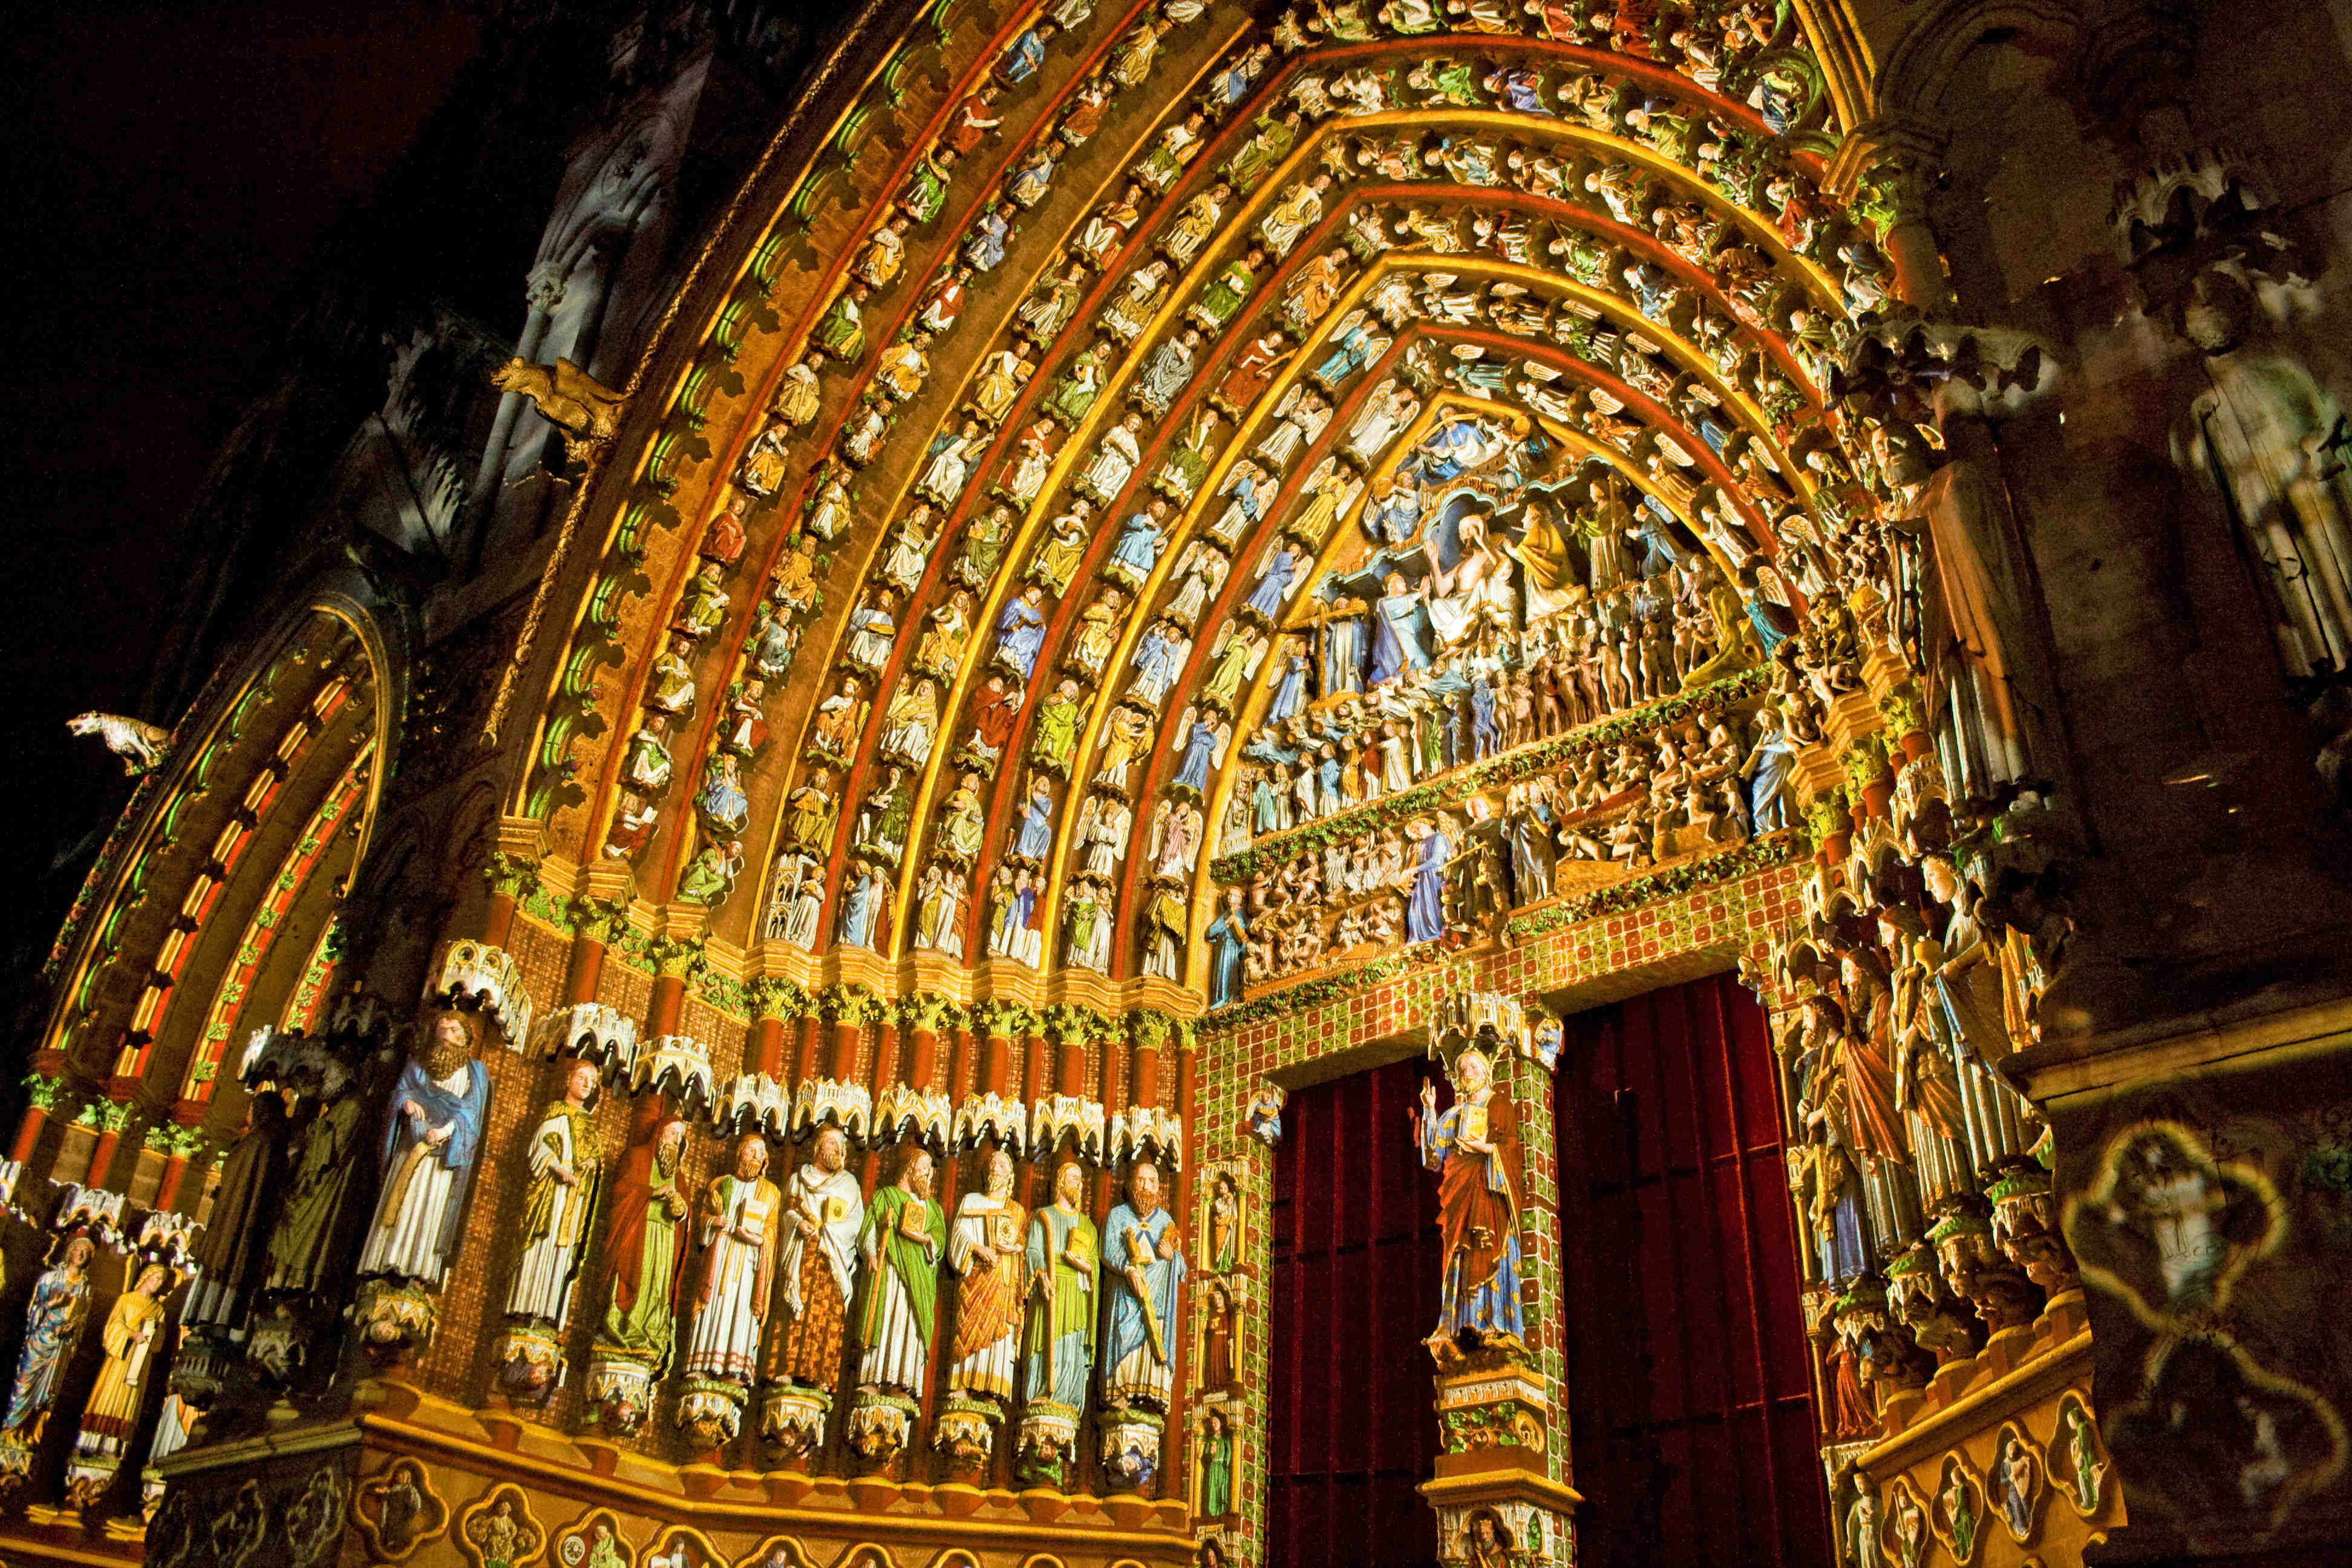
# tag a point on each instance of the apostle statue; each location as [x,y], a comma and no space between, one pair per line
[566,1174]
[1064,1262]
[645,1246]
[133,1327]
[229,1254]
[1474,1147]
[429,1149]
[303,1244]
[52,1320]
[738,1225]
[986,1251]
[820,1264]
[1143,1265]
[903,1237]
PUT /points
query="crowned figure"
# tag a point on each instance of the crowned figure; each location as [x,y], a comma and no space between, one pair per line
[1474,1145]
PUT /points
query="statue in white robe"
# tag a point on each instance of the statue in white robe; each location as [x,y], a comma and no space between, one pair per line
[430,1147]
[566,1174]
[819,1264]
[737,1224]
[901,1242]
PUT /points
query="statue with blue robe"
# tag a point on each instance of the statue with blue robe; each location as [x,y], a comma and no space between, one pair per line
[431,1143]
[1424,909]
[1228,938]
[1399,635]
[1143,1263]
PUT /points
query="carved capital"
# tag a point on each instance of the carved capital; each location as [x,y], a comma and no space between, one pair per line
[773,997]
[930,1012]
[851,1005]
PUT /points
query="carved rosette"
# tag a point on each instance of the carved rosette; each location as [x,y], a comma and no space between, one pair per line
[879,1424]
[710,1411]
[2025,1228]
[1049,1443]
[791,1420]
[396,1320]
[620,1392]
[489,978]
[963,1434]
[530,1364]
[1130,1442]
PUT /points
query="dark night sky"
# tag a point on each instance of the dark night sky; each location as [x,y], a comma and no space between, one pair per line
[177,166]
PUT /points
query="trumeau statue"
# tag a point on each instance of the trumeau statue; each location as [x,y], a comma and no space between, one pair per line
[566,1175]
[823,1212]
[430,1148]
[2273,443]
[1474,1146]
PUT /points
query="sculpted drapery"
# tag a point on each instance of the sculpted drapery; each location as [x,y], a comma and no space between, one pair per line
[1143,1264]
[986,1250]
[647,1257]
[818,1264]
[1064,1266]
[900,1244]
[566,1175]
[1474,1147]
[430,1145]
[738,1215]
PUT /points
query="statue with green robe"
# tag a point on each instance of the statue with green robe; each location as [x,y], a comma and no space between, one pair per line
[1065,1265]
[903,1240]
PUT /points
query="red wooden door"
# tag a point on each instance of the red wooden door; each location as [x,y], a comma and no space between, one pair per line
[1351,1433]
[1689,1383]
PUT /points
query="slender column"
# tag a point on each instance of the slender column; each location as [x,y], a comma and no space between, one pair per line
[772,1002]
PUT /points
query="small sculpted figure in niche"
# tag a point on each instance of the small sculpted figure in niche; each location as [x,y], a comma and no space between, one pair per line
[566,1176]
[1217,1339]
[1490,1543]
[230,1254]
[111,1414]
[1474,1147]
[900,1243]
[53,1322]
[647,1249]
[2015,1482]
[1216,1467]
[737,1220]
[819,1264]
[1065,1267]
[1228,937]
[1224,1224]
[1862,1542]
[430,1146]
[987,1251]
